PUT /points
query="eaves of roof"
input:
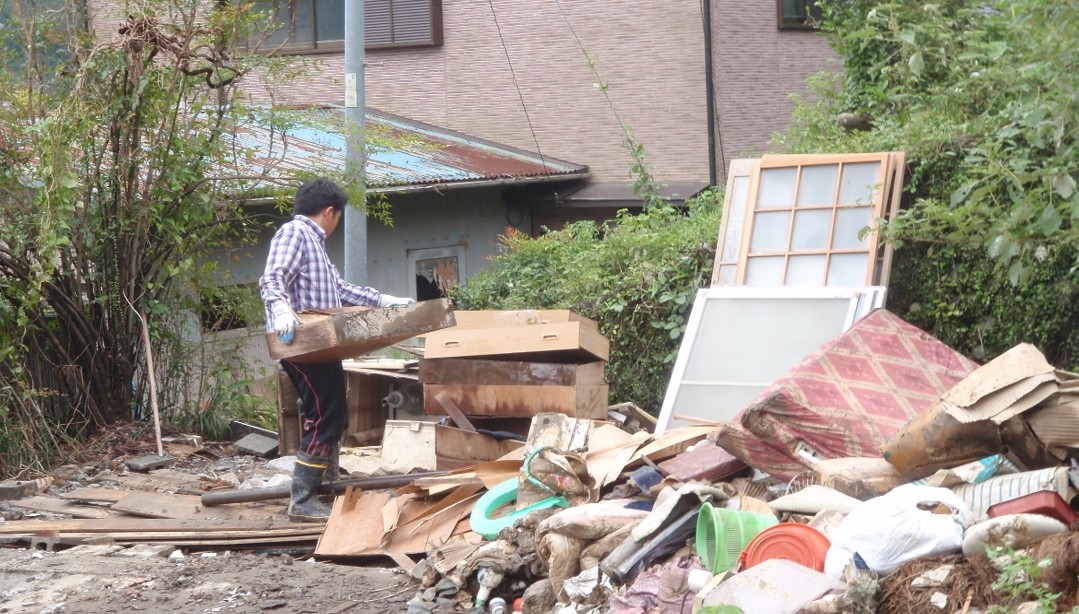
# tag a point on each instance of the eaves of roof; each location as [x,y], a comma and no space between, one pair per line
[421,157]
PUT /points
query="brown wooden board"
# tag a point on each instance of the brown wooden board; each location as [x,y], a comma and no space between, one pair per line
[170,506]
[95,495]
[430,446]
[520,401]
[54,505]
[520,317]
[336,334]
[572,342]
[473,371]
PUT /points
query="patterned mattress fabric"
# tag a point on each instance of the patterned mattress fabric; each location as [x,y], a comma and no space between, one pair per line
[846,398]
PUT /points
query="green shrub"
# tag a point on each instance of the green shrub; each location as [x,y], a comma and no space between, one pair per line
[637,277]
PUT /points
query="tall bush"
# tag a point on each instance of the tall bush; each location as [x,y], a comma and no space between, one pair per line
[984,97]
[637,277]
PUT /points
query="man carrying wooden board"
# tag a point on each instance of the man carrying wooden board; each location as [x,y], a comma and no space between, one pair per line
[299,276]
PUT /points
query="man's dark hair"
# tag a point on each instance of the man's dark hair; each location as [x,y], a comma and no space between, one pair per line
[316,195]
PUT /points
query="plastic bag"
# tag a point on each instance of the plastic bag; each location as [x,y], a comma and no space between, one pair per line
[910,522]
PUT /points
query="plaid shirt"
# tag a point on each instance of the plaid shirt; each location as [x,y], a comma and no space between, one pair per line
[299,272]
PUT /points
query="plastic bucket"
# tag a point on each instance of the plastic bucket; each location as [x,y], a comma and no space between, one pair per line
[790,541]
[722,534]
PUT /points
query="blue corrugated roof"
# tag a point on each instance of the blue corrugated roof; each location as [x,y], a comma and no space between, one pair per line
[411,155]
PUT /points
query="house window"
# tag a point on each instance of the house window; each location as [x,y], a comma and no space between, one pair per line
[319,25]
[798,14]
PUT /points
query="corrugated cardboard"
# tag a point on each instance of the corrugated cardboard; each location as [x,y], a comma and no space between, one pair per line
[982,415]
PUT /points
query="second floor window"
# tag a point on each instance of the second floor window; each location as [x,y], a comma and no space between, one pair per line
[797,14]
[319,25]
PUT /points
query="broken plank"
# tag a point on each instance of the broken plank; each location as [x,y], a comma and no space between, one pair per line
[54,505]
[454,412]
[165,505]
[336,334]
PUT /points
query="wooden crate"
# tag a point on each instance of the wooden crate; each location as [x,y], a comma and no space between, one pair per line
[562,342]
[426,445]
[515,388]
[366,416]
[347,332]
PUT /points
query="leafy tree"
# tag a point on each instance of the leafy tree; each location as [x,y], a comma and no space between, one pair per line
[983,97]
[121,164]
[637,277]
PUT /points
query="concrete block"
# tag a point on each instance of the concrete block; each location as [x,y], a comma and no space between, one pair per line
[17,489]
[259,445]
[149,462]
[706,461]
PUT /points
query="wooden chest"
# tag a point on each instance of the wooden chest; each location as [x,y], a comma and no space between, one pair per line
[507,388]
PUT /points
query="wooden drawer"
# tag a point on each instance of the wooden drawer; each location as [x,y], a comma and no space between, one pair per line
[428,445]
[514,388]
[561,342]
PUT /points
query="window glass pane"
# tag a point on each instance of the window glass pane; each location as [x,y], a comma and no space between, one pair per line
[770,232]
[859,186]
[847,269]
[806,270]
[777,188]
[767,271]
[277,32]
[794,9]
[811,229]
[330,20]
[818,185]
[736,217]
[305,24]
[849,221]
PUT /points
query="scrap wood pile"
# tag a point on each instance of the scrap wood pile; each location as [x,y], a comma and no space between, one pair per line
[884,472]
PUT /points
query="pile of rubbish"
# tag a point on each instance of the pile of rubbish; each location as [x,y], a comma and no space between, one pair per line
[883,473]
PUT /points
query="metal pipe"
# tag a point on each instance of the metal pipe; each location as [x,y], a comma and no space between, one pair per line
[222,497]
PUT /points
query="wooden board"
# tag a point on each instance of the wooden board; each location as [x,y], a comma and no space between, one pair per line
[572,342]
[170,506]
[336,334]
[520,317]
[355,526]
[95,495]
[520,401]
[54,505]
[430,446]
[473,371]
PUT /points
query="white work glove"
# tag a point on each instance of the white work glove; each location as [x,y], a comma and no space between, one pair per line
[392,301]
[284,322]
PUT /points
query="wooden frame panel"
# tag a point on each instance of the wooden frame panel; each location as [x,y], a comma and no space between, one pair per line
[888,185]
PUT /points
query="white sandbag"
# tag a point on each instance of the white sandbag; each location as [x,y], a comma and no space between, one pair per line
[900,526]
[591,521]
[1013,531]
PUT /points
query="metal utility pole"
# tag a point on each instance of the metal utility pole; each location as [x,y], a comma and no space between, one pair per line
[355,221]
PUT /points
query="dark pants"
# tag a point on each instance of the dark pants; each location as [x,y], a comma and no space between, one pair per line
[322,390]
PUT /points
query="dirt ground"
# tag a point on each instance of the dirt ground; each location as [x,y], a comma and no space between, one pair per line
[97,579]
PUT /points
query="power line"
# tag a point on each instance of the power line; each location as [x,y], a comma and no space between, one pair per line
[513,74]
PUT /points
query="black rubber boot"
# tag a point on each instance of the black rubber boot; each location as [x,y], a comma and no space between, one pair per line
[333,467]
[306,478]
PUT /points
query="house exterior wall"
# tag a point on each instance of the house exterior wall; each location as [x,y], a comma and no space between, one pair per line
[649,52]
[756,68]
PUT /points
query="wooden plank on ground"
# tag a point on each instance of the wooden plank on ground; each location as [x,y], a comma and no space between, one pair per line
[118,524]
[355,526]
[88,494]
[55,505]
[165,505]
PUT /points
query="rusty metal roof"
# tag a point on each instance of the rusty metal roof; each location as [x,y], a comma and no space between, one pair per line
[405,155]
